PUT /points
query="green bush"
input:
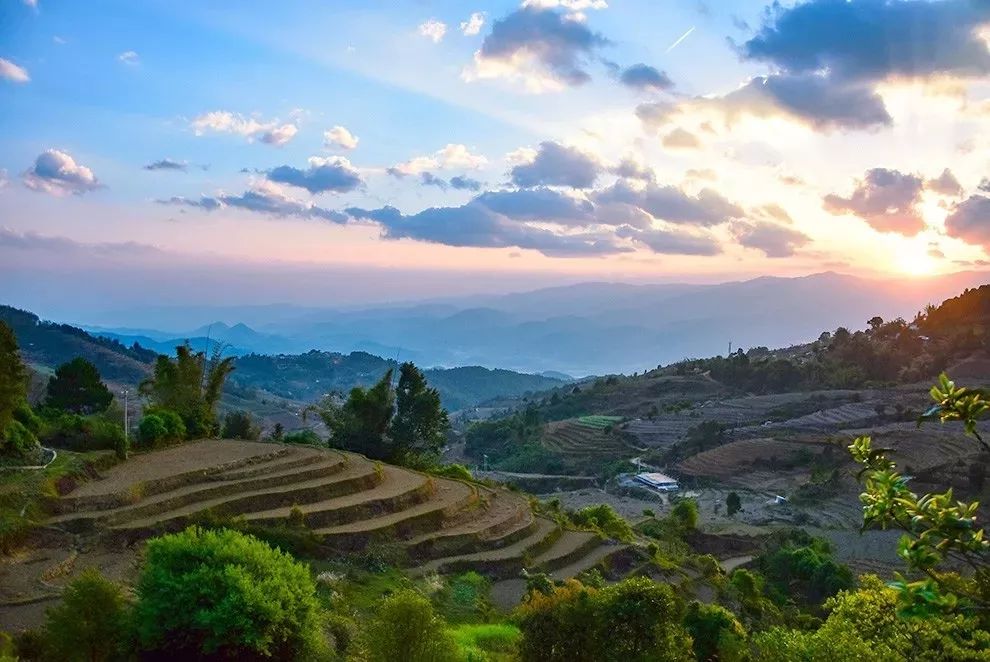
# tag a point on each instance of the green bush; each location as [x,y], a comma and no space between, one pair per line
[90,624]
[225,595]
[685,514]
[715,631]
[151,431]
[465,598]
[604,519]
[17,440]
[307,437]
[240,425]
[80,433]
[458,471]
[406,628]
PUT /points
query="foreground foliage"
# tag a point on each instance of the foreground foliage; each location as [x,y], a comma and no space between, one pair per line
[224,594]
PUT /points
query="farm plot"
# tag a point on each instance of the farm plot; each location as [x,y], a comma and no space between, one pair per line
[737,460]
[347,501]
[577,439]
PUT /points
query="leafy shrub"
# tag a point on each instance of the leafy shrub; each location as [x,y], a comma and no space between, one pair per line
[465,598]
[604,519]
[715,631]
[223,594]
[90,624]
[151,430]
[406,628]
[458,471]
[307,437]
[17,441]
[685,514]
[240,425]
[81,433]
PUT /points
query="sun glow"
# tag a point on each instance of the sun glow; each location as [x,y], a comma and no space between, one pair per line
[913,258]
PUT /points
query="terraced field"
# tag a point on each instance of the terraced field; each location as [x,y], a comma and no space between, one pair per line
[441,524]
[737,459]
[588,437]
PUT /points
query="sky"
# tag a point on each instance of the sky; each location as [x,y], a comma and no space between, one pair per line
[344,151]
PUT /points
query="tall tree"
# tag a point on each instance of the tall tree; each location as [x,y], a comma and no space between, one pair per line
[76,387]
[420,425]
[361,424]
[190,385]
[13,377]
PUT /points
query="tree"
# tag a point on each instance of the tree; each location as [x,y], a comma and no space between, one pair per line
[13,377]
[733,504]
[76,387]
[715,631]
[936,526]
[362,422]
[240,425]
[685,514]
[419,428]
[640,620]
[190,385]
[90,624]
[407,628]
[636,619]
[225,595]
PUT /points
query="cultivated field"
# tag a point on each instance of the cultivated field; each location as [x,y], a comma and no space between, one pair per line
[348,501]
[588,437]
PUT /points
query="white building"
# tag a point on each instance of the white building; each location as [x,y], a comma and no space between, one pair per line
[658,481]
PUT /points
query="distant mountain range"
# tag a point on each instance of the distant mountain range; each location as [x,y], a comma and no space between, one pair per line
[298,377]
[591,328]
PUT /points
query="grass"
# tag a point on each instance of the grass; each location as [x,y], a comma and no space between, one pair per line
[493,642]
[599,422]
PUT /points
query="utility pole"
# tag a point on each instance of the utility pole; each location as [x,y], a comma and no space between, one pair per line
[730,349]
[126,420]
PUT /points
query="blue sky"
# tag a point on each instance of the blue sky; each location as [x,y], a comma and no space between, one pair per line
[550,140]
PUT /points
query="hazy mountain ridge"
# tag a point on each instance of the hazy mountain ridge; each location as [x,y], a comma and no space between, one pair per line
[589,328]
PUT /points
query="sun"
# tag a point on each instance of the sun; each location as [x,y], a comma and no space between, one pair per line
[913,258]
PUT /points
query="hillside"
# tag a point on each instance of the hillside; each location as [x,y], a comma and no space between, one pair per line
[581,329]
[295,377]
[311,375]
[347,504]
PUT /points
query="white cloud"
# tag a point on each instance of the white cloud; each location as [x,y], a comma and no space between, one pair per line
[129,58]
[340,137]
[433,30]
[56,172]
[12,72]
[223,121]
[452,157]
[59,40]
[279,135]
[31,3]
[571,5]
[473,25]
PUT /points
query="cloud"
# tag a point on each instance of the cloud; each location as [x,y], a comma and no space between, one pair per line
[885,199]
[323,175]
[475,224]
[473,25]
[557,165]
[167,164]
[945,184]
[429,179]
[774,212]
[671,204]
[57,173]
[645,78]
[464,183]
[673,242]
[129,58]
[681,139]
[433,30]
[629,168]
[970,221]
[12,72]
[539,204]
[32,241]
[706,174]
[222,121]
[545,49]
[570,5]
[264,199]
[873,41]
[339,137]
[453,156]
[774,240]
